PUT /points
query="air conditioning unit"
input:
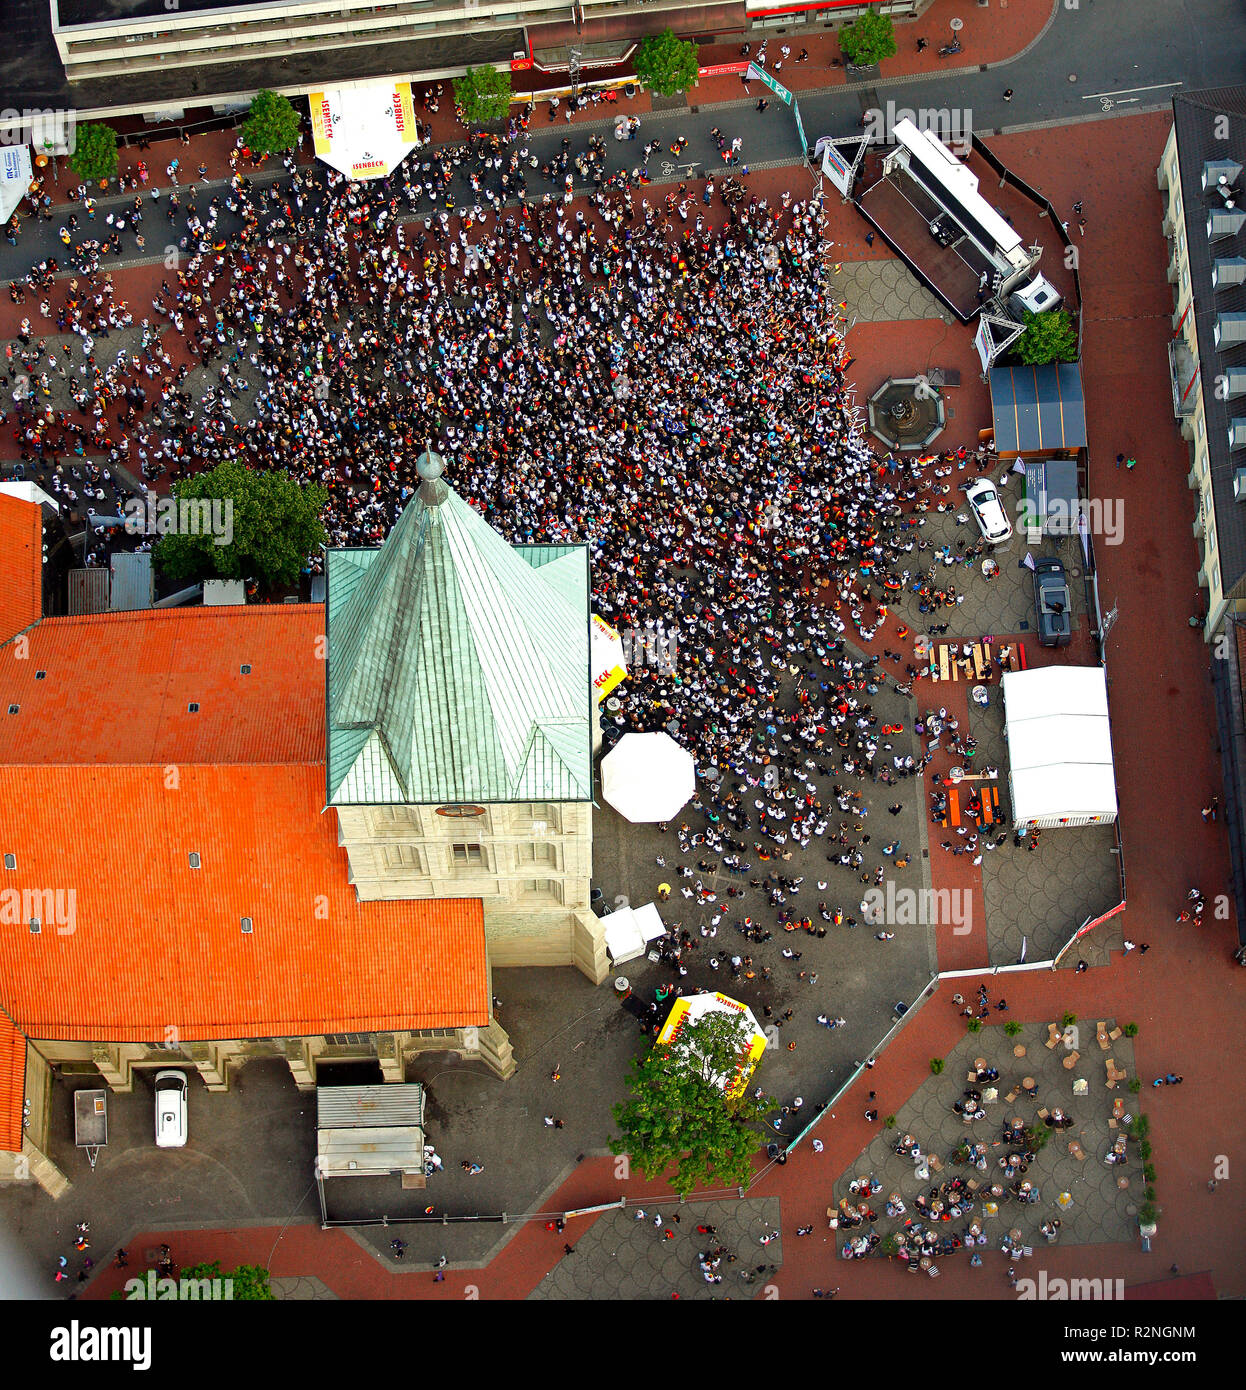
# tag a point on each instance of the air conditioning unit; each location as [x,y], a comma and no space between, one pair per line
[1239,485]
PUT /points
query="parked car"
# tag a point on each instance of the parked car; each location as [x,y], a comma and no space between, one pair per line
[988,511]
[171,1125]
[1051,602]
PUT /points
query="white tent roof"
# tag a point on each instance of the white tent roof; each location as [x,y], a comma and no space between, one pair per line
[1059,743]
[629,931]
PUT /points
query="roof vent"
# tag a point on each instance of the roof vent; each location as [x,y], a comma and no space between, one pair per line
[247,926]
[13,709]
[36,926]
[193,707]
[1228,270]
[195,861]
[1220,173]
[1224,222]
[1237,434]
[245,669]
[1229,330]
[10,861]
[40,675]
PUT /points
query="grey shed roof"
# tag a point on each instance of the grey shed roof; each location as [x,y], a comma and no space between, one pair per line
[368,1131]
[1200,122]
[456,671]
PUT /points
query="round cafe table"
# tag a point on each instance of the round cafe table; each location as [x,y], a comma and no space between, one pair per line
[1064,1201]
[1027,1083]
[1018,1051]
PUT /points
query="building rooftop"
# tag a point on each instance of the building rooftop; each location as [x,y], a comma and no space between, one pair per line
[1210,127]
[457,672]
[134,939]
[21,576]
[117,688]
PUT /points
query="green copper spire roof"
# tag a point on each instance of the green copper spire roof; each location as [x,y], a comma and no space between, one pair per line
[457,673]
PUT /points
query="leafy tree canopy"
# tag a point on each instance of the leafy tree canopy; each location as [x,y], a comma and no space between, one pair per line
[483,94]
[678,1110]
[667,65]
[95,152]
[1048,337]
[272,127]
[266,525]
[867,42]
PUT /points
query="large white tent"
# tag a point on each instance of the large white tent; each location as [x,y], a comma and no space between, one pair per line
[1059,746]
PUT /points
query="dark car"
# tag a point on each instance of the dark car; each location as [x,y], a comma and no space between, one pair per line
[1051,600]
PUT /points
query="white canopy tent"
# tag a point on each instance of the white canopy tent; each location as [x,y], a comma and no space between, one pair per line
[630,930]
[1059,747]
[647,777]
[366,130]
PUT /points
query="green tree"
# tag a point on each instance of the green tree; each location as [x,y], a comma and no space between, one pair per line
[250,1283]
[95,152]
[667,65]
[272,125]
[1048,337]
[867,42]
[483,94]
[678,1110]
[247,525]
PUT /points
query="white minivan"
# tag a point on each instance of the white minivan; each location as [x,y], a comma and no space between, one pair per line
[988,511]
[170,1109]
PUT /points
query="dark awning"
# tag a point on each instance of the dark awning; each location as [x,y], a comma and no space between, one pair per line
[1038,408]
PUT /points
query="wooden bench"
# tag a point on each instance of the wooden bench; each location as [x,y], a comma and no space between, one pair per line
[943,671]
[1012,1095]
[981,660]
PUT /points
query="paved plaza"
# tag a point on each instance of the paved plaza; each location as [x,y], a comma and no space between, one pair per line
[1093,1200]
[625,1257]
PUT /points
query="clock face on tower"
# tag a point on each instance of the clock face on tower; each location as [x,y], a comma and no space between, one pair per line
[461,812]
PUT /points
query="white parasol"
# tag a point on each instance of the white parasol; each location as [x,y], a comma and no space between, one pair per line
[647,777]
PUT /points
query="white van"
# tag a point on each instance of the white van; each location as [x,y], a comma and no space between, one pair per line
[171,1126]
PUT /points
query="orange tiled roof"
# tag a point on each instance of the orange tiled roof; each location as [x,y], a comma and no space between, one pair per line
[117,686]
[21,565]
[147,944]
[12,1085]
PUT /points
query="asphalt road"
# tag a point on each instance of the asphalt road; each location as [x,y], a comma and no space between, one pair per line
[1126,56]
